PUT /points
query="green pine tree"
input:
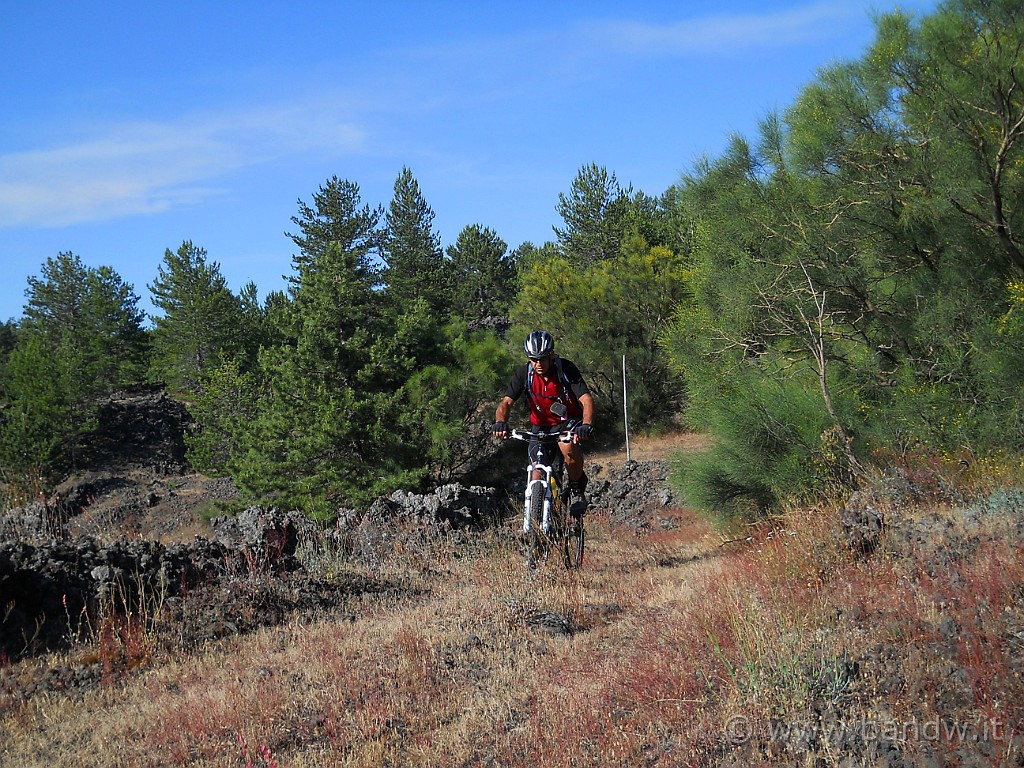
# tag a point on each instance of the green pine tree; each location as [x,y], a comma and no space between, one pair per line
[484,274]
[202,324]
[81,336]
[415,265]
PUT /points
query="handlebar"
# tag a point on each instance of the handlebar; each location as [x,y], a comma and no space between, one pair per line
[561,437]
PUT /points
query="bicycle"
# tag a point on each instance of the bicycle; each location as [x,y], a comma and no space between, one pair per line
[547,523]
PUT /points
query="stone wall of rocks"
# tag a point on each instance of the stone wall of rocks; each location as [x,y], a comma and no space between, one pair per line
[52,589]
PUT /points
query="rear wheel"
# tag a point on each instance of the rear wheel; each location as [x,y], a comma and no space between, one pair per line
[575,541]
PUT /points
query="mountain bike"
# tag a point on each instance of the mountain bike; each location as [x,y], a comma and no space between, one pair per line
[548,525]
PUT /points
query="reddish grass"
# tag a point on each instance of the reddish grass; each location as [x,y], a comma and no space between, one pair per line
[677,636]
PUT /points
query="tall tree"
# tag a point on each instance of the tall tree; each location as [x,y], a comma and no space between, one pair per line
[484,273]
[412,250]
[593,213]
[81,333]
[304,445]
[852,271]
[202,321]
[336,219]
[330,428]
[96,311]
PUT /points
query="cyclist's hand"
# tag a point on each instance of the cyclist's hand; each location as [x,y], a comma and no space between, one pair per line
[582,432]
[500,430]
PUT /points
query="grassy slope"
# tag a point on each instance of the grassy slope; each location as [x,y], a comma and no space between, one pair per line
[683,651]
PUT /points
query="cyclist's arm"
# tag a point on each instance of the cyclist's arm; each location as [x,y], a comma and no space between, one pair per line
[515,389]
[504,409]
[587,402]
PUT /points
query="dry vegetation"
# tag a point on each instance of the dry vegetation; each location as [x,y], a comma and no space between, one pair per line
[776,645]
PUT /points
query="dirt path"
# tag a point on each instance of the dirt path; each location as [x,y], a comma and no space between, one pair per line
[650,448]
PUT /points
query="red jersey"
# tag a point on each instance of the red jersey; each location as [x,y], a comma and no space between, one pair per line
[564,384]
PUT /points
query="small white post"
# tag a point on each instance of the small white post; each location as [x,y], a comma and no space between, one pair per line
[625,413]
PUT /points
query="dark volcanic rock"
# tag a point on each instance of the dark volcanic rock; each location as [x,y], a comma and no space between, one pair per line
[52,592]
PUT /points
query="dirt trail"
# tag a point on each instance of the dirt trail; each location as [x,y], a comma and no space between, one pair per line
[650,448]
[471,659]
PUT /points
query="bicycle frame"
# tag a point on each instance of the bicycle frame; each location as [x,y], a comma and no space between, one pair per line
[546,524]
[549,485]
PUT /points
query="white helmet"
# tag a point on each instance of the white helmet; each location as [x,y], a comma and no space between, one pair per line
[539,344]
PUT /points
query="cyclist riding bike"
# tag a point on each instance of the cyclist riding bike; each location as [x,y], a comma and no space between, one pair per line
[559,401]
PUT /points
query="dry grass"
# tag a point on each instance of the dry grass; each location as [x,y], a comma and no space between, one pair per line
[647,447]
[685,651]
[456,676]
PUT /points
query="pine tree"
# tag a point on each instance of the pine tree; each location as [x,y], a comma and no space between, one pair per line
[336,220]
[93,311]
[412,250]
[39,423]
[81,336]
[593,213]
[484,274]
[326,430]
[202,323]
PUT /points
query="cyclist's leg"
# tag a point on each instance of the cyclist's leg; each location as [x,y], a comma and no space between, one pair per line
[576,487]
[573,456]
[542,448]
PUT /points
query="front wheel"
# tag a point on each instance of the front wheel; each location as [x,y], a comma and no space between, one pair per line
[535,537]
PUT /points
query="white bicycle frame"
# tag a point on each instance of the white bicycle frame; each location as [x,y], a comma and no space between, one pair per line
[534,485]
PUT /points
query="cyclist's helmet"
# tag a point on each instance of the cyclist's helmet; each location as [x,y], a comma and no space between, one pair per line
[539,344]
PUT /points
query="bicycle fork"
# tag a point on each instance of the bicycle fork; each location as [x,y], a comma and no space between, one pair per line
[545,485]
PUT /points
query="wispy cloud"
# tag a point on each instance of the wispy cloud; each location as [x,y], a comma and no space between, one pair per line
[142,167]
[148,167]
[727,33]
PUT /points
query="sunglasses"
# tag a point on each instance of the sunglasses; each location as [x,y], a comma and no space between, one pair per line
[538,359]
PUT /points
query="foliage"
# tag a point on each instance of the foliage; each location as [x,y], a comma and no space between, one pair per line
[862,249]
[202,322]
[93,311]
[607,310]
[592,212]
[359,394]
[336,220]
[304,442]
[772,440]
[483,274]
[8,338]
[445,398]
[600,216]
[37,418]
[846,285]
[81,336]
[224,403]
[412,250]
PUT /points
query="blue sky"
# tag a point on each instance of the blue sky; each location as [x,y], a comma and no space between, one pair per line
[129,127]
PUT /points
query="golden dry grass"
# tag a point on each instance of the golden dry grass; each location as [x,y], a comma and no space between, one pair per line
[452,677]
[678,637]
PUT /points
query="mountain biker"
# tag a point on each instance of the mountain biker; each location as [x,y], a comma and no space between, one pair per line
[559,401]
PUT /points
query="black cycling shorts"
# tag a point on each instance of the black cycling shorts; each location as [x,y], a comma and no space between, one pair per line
[544,448]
